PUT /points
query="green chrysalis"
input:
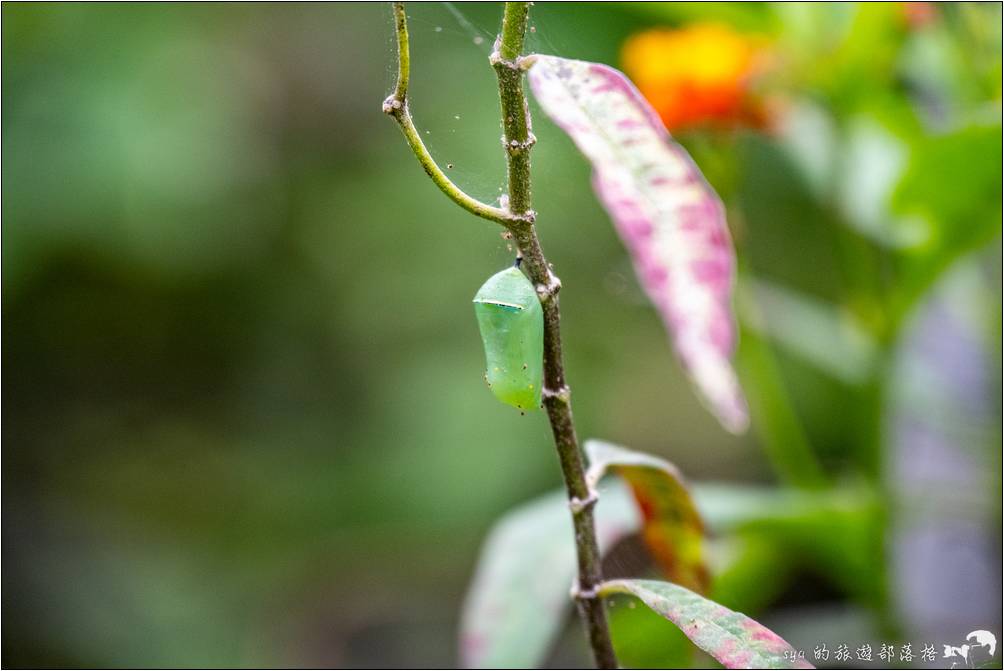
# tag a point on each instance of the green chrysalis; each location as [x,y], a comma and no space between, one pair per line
[512,328]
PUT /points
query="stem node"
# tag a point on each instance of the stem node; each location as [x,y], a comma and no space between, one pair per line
[581,594]
[549,291]
[577,505]
[516,146]
[392,105]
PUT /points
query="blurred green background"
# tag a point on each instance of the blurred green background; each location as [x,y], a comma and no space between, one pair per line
[245,418]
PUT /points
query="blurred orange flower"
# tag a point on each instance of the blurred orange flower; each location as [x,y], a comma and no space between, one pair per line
[919,14]
[696,75]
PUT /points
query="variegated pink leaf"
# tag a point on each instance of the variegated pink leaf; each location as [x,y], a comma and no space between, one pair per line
[738,642]
[670,219]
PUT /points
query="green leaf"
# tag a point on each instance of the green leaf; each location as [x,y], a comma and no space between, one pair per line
[836,531]
[781,430]
[520,592]
[671,527]
[751,571]
[818,332]
[738,642]
[963,213]
[872,163]
[644,640]
[743,16]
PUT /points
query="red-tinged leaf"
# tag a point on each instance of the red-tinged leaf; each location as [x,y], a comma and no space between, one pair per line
[737,641]
[670,219]
[671,526]
[519,596]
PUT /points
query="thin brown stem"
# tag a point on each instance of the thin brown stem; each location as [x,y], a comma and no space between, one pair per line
[518,217]
[518,140]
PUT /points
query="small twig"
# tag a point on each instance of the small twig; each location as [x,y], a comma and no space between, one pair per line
[396,105]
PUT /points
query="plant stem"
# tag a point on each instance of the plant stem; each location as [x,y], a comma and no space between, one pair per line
[518,140]
[518,217]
